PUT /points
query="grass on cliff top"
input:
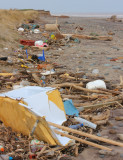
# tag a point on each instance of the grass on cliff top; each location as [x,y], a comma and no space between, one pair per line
[9,20]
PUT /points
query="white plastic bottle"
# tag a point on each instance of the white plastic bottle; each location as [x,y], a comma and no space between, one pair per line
[85,122]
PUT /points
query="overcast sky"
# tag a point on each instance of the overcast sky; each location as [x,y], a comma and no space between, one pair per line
[66,6]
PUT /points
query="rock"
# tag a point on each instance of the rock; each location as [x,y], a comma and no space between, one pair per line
[114,127]
[120,136]
[95,71]
[120,125]
[109,57]
[110,153]
[98,134]
[107,65]
[121,155]
[92,64]
[116,67]
[112,131]
[106,74]
[116,48]
[103,152]
[102,156]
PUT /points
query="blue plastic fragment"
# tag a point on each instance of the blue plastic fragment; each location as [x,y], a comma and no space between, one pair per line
[26,54]
[70,109]
[42,58]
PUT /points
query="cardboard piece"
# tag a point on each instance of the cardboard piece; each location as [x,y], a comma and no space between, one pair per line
[21,107]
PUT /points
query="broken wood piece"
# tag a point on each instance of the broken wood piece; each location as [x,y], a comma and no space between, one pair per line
[41,152]
[6,74]
[86,134]
[71,96]
[78,105]
[100,117]
[67,76]
[82,141]
[119,118]
[92,97]
[76,151]
[101,122]
[67,85]
[104,38]
[52,27]
[121,81]
[99,105]
[36,79]
[119,104]
[110,91]
[78,87]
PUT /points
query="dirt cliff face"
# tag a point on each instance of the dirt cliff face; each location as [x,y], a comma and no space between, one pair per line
[44,13]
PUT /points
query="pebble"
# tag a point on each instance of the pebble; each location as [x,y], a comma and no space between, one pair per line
[103,152]
[109,57]
[116,67]
[98,134]
[92,64]
[110,153]
[116,48]
[121,155]
[120,125]
[112,131]
[106,74]
[85,77]
[107,65]
[114,127]
[95,71]
[102,156]
[120,136]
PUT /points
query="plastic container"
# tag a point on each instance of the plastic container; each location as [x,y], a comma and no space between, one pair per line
[76,126]
[37,31]
[20,30]
[38,43]
[96,84]
[5,157]
[1,148]
[85,122]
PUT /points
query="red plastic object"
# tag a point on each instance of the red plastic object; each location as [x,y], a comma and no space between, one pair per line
[114,59]
[27,42]
[32,156]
